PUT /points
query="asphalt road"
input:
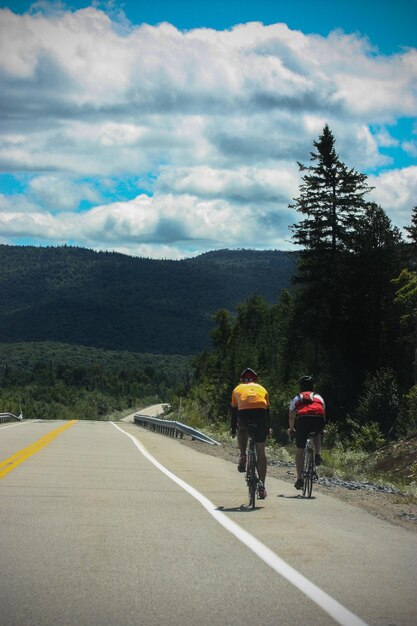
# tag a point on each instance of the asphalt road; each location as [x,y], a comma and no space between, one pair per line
[94,532]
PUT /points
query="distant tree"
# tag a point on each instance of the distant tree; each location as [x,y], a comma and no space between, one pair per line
[406,295]
[221,333]
[283,340]
[412,229]
[250,332]
[406,299]
[370,321]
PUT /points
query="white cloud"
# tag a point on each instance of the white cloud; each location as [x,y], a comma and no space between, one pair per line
[410,147]
[56,193]
[239,185]
[212,121]
[16,204]
[163,69]
[396,192]
[182,220]
[385,139]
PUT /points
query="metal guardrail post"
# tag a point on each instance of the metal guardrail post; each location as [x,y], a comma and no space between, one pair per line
[172,428]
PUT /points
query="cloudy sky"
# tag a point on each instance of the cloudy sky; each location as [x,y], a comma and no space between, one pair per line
[167,128]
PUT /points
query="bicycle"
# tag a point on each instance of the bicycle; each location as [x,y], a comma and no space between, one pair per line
[309,466]
[252,479]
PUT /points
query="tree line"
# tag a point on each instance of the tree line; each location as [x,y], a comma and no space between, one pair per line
[349,319]
[58,381]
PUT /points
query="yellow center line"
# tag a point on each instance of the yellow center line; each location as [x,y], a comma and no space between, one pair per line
[13,461]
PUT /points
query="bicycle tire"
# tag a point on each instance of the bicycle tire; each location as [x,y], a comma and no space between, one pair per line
[308,473]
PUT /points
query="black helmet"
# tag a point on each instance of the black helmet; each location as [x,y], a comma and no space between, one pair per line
[248,375]
[306,383]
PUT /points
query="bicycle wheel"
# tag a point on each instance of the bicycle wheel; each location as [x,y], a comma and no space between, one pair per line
[308,472]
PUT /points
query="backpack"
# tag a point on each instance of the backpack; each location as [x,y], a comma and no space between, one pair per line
[309,404]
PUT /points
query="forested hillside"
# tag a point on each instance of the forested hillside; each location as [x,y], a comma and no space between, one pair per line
[54,380]
[109,300]
[86,334]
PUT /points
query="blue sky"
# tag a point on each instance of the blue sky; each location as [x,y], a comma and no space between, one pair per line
[169,128]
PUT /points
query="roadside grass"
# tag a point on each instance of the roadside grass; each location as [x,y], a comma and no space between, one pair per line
[345,463]
[382,467]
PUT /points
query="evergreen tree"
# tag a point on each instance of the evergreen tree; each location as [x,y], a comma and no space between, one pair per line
[369,318]
[406,299]
[221,334]
[283,340]
[406,295]
[331,199]
[412,230]
[333,207]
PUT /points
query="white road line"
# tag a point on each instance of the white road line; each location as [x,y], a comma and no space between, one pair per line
[333,608]
[17,424]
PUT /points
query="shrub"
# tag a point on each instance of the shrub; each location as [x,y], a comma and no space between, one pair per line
[407,424]
[346,463]
[332,437]
[366,437]
[280,400]
[380,401]
[279,453]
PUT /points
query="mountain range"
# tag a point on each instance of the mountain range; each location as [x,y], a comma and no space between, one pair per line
[118,302]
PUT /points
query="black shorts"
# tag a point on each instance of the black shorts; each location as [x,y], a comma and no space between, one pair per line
[258,417]
[305,425]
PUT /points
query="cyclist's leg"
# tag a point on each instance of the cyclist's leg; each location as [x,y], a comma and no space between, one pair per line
[318,427]
[242,431]
[262,463]
[242,439]
[299,455]
[261,435]
[301,435]
[317,443]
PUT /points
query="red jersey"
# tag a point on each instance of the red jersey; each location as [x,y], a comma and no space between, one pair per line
[308,403]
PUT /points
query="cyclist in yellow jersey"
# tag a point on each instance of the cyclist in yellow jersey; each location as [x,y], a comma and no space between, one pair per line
[250,405]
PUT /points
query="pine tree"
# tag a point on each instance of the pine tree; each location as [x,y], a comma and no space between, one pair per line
[331,198]
[412,230]
[370,321]
[333,207]
[406,295]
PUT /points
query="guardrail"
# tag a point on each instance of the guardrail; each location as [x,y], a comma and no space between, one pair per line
[9,417]
[172,428]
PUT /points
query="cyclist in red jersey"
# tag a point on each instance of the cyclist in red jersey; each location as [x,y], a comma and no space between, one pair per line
[307,411]
[250,405]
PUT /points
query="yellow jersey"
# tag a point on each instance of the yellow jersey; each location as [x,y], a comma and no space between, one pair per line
[250,396]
